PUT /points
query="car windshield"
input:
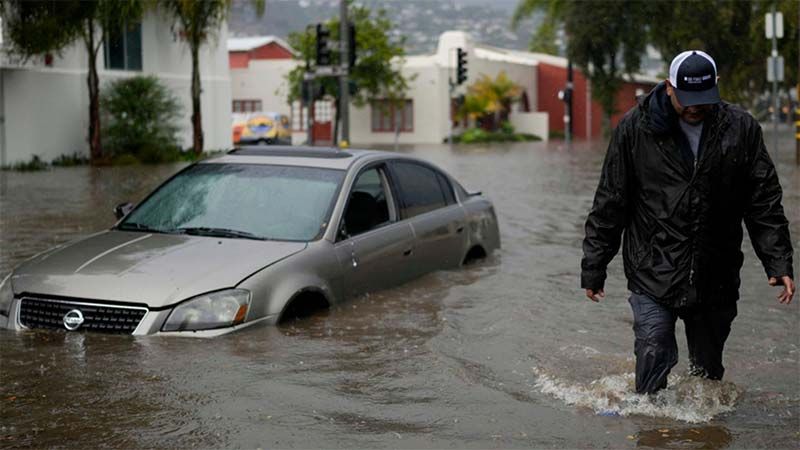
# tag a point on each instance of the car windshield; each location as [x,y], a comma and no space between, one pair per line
[241,200]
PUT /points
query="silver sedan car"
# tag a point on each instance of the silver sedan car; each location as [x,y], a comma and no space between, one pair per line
[260,235]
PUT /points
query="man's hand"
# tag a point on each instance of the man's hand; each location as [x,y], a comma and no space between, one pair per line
[595,295]
[786,294]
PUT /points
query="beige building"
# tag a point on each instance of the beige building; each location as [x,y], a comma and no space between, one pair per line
[44,103]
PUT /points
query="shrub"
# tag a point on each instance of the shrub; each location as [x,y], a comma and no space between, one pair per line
[141,116]
[75,159]
[34,165]
[504,134]
[506,128]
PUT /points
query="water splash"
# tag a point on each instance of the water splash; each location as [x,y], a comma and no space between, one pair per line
[688,399]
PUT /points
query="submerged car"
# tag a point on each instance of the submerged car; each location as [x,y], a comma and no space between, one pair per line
[259,235]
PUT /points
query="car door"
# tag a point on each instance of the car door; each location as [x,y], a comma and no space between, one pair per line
[428,203]
[373,246]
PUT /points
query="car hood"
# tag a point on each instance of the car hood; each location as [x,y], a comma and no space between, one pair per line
[154,269]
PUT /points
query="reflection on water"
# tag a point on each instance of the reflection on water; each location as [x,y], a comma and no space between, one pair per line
[505,353]
[709,437]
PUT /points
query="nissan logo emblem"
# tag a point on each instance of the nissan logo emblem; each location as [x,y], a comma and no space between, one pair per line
[73,320]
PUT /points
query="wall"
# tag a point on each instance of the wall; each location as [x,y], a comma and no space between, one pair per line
[263,80]
[429,94]
[46,108]
[532,123]
[553,78]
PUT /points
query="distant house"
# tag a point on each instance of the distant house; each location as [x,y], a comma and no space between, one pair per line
[44,103]
[429,109]
[259,66]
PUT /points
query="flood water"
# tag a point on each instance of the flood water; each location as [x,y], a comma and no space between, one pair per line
[507,353]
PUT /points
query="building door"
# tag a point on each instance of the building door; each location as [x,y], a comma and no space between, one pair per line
[322,129]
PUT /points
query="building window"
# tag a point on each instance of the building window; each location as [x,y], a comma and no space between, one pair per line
[244,106]
[123,48]
[387,115]
[299,116]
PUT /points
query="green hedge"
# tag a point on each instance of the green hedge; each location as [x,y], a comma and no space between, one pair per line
[504,134]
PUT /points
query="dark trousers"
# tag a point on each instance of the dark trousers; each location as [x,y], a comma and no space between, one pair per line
[707,328]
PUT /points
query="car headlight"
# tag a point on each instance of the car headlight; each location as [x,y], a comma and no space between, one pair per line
[6,295]
[213,310]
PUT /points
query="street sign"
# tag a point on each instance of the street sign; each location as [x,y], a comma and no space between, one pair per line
[773,63]
[768,25]
[330,71]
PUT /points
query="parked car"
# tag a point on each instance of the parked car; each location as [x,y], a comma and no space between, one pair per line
[262,128]
[259,235]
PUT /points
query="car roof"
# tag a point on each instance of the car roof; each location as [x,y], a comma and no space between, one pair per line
[322,157]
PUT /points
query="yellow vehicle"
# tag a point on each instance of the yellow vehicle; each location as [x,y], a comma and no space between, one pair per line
[262,128]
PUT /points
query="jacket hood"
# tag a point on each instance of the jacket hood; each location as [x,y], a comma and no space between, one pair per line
[153,269]
[658,110]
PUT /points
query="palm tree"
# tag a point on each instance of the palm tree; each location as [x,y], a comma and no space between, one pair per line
[199,20]
[494,95]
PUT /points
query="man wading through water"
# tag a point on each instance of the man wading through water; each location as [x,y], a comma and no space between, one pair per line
[682,170]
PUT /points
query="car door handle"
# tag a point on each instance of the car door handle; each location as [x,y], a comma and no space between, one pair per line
[408,252]
[460,229]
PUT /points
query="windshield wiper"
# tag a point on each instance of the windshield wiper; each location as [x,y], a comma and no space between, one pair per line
[130,226]
[220,232]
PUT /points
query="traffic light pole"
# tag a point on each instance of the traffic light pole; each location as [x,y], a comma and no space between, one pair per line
[450,91]
[344,91]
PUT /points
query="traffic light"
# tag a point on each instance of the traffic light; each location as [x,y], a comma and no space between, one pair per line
[351,44]
[323,51]
[565,95]
[461,67]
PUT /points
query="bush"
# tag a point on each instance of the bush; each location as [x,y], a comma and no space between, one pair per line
[507,128]
[141,114]
[75,159]
[504,134]
[34,165]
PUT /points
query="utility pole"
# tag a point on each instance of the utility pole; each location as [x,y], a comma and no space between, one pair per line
[565,96]
[773,23]
[775,100]
[344,91]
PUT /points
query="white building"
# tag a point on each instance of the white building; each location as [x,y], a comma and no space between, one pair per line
[259,67]
[44,104]
[427,112]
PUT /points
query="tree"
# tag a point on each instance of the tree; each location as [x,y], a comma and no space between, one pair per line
[377,72]
[199,21]
[733,34]
[142,114]
[496,94]
[39,27]
[605,39]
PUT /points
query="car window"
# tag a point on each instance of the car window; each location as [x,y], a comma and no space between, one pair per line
[269,202]
[447,188]
[368,206]
[420,187]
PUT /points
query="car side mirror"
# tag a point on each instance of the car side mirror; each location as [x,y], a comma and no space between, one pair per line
[123,209]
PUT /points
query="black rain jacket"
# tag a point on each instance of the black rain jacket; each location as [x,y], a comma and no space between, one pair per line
[681,216]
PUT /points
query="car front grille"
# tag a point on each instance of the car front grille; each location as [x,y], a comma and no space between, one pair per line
[97,317]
